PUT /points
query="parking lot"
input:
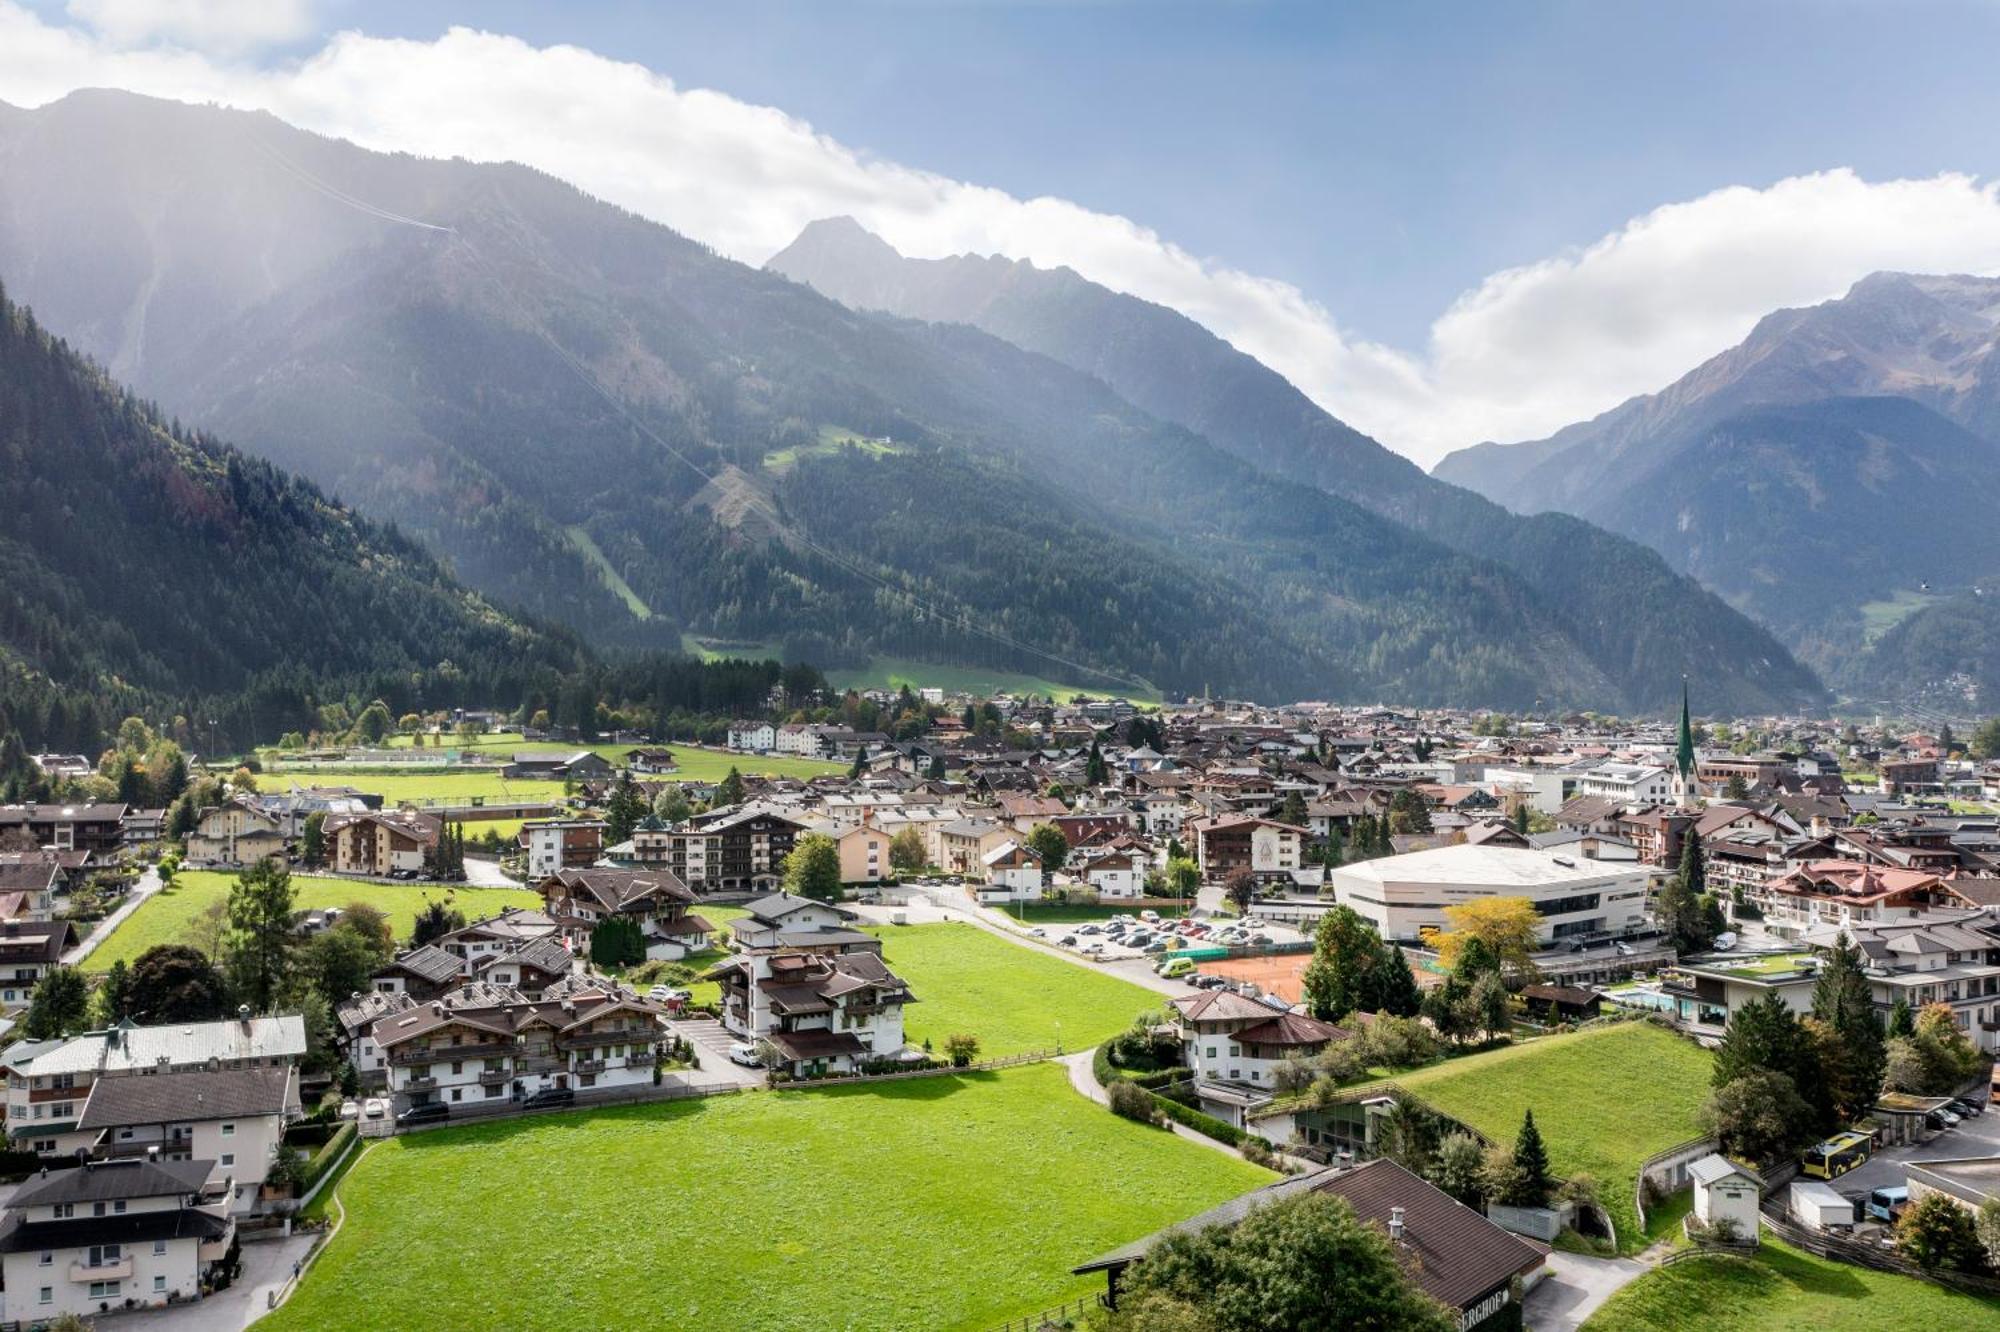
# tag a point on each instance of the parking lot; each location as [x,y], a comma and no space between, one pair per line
[711,1041]
[1977,1136]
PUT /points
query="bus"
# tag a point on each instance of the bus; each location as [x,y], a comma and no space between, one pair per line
[1837,1155]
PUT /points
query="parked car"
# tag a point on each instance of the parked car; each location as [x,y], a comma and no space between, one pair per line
[350,1110]
[1174,967]
[1091,929]
[1067,941]
[430,1112]
[667,994]
[1093,947]
[744,1053]
[1156,946]
[1962,1107]
[375,1107]
[1943,1119]
[550,1096]
[1038,933]
[1149,916]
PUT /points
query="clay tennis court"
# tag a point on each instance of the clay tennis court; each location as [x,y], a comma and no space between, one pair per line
[1280,974]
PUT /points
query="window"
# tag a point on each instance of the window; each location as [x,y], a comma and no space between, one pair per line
[104,1290]
[47,1295]
[105,1255]
[159,1248]
[229,1158]
[229,1130]
[159,1284]
[46,1260]
[64,1211]
[118,1207]
[97,1209]
[457,1093]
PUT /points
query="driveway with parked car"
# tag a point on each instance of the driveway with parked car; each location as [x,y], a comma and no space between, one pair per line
[1978,1135]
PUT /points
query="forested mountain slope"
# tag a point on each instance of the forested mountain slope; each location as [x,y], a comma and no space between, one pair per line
[1637,622]
[150,566]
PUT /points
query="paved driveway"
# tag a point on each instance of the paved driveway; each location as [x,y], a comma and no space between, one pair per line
[1575,1288]
[266,1267]
[1978,1136]
[149,883]
[713,1040]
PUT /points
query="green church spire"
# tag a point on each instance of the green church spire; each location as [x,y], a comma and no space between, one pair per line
[1684,751]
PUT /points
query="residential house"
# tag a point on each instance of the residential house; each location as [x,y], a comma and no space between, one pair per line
[380,842]
[1626,783]
[559,844]
[1115,875]
[237,832]
[812,988]
[1228,1037]
[1452,1253]
[753,737]
[423,972]
[29,882]
[48,1081]
[1012,873]
[1845,893]
[234,1117]
[651,759]
[501,1045]
[733,850]
[29,949]
[96,828]
[657,902]
[112,1235]
[864,853]
[964,844]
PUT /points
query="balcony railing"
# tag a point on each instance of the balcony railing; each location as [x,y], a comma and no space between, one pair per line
[589,1066]
[494,1077]
[118,1271]
[438,1054]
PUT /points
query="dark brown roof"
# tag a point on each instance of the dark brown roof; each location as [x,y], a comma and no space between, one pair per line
[1561,994]
[100,1181]
[816,1044]
[1452,1252]
[165,1098]
[1291,1029]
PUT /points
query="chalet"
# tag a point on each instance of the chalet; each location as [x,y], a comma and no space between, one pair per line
[1452,1253]
[1265,848]
[29,949]
[742,849]
[651,760]
[813,988]
[112,1235]
[96,828]
[423,972]
[29,882]
[1847,892]
[474,943]
[579,1035]
[378,843]
[657,902]
[238,832]
[1115,875]
[1227,1037]
[1561,1003]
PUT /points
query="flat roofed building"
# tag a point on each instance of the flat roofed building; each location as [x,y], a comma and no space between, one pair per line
[1405,895]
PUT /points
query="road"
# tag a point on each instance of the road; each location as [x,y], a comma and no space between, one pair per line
[483,873]
[1978,1136]
[1576,1287]
[149,883]
[267,1265]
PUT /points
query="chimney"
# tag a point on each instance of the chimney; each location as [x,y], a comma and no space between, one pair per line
[243,1014]
[1396,1225]
[153,1152]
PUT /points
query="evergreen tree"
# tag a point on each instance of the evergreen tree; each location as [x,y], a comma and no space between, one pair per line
[437,919]
[1852,1050]
[1293,810]
[1532,1183]
[730,790]
[1335,853]
[937,772]
[312,841]
[1346,959]
[623,810]
[1395,987]
[1096,772]
[114,996]
[261,932]
[1680,905]
[1902,1019]
[59,1005]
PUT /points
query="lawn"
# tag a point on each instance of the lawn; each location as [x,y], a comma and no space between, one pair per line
[1012,997]
[696,764]
[169,917]
[980,681]
[1604,1099]
[936,1203]
[1785,1290]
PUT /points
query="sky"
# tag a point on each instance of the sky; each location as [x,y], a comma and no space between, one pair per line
[1445,222]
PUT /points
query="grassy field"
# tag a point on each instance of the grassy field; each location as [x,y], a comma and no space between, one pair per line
[895,672]
[169,917]
[1879,617]
[588,548]
[696,765]
[938,1203]
[831,440]
[1604,1099]
[1784,1290]
[1013,998]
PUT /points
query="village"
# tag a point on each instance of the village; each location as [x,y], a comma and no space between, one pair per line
[1557,1002]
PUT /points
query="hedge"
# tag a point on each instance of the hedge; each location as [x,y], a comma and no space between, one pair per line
[1206,1125]
[323,1159]
[309,1133]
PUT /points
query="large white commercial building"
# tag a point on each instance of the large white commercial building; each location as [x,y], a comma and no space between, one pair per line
[1405,895]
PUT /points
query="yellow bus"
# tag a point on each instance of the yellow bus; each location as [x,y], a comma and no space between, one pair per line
[1837,1155]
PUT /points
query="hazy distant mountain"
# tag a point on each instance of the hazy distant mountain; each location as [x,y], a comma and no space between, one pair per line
[1819,474]
[1638,622]
[798,474]
[148,566]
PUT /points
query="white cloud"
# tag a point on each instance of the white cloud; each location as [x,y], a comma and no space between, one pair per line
[224,26]
[1528,351]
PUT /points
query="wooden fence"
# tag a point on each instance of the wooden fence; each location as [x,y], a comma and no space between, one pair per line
[1070,1313]
[1863,1254]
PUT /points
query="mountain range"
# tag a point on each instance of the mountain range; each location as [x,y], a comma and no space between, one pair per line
[1616,601]
[1835,474]
[149,567]
[593,419]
